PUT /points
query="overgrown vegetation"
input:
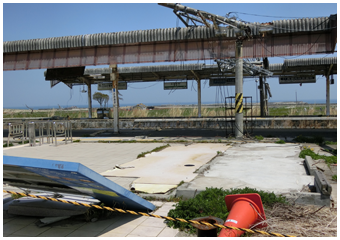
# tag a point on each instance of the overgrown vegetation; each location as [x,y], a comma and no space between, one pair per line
[16,196]
[169,112]
[315,139]
[334,177]
[211,203]
[78,140]
[259,138]
[330,143]
[313,155]
[157,149]
[280,142]
[10,145]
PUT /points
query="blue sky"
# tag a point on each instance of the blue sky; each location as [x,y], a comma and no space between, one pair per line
[23,21]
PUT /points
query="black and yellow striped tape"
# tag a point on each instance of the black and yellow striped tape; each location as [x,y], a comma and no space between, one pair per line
[149,215]
[239,102]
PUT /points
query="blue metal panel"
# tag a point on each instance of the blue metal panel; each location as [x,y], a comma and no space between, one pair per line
[84,180]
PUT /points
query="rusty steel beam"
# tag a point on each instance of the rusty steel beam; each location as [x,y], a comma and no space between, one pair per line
[170,51]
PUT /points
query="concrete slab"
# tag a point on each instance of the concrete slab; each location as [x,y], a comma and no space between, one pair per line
[264,166]
[97,156]
[174,164]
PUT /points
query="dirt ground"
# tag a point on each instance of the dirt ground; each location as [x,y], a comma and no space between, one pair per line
[301,221]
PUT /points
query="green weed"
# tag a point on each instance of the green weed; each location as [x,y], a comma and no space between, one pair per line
[10,145]
[78,140]
[313,155]
[157,149]
[315,139]
[280,142]
[211,203]
[334,177]
[259,138]
[330,143]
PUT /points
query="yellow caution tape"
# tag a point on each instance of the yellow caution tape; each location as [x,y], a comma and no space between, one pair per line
[150,215]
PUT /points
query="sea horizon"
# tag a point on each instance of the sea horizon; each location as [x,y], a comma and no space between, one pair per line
[318,101]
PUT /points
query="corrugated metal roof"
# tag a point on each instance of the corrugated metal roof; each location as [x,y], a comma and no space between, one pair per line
[188,67]
[309,61]
[166,34]
[159,68]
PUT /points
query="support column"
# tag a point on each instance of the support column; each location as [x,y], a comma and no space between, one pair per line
[262,103]
[328,96]
[239,91]
[114,79]
[89,97]
[265,98]
[199,97]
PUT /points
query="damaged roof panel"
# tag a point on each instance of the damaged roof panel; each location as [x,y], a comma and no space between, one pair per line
[167,34]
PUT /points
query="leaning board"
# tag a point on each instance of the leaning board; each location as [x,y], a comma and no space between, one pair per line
[69,177]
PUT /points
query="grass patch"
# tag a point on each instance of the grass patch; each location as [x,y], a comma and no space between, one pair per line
[330,143]
[313,155]
[334,177]
[78,140]
[259,138]
[16,196]
[280,142]
[315,139]
[157,149]
[211,203]
[10,145]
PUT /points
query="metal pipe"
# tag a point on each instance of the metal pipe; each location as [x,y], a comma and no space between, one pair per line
[239,91]
[208,15]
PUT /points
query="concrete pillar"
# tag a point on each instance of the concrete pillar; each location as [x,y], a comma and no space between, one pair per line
[89,97]
[262,97]
[265,98]
[114,79]
[199,97]
[239,91]
[31,134]
[328,97]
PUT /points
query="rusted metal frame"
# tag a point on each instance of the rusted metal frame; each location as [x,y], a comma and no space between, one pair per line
[202,50]
[15,61]
[53,60]
[40,61]
[203,19]
[170,49]
[197,76]
[124,52]
[185,50]
[95,55]
[156,75]
[139,51]
[154,52]
[67,56]
[27,60]
[180,17]
[47,62]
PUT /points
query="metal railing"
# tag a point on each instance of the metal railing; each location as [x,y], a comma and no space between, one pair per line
[16,130]
[49,130]
[62,129]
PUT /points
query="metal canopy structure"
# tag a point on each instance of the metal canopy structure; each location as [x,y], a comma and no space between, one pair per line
[288,38]
[312,66]
[69,177]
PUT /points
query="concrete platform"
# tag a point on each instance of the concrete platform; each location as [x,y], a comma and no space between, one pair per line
[264,166]
[117,225]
